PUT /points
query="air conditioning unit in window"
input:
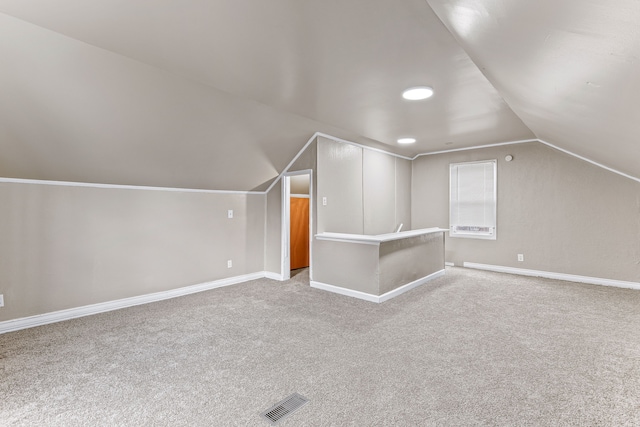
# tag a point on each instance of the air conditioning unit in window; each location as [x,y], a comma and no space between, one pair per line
[472,229]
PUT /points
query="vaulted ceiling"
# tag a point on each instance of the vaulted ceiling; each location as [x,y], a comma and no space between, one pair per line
[221,94]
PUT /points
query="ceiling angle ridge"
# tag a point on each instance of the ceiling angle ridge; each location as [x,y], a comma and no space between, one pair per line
[333,138]
[286,169]
[366,147]
[476,147]
[585,159]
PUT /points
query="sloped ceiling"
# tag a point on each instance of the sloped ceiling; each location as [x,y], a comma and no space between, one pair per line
[570,69]
[221,94]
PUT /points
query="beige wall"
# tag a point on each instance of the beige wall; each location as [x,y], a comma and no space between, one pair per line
[378,269]
[406,260]
[273,227]
[273,231]
[356,182]
[367,191]
[340,181]
[565,215]
[347,265]
[300,184]
[403,193]
[379,192]
[64,247]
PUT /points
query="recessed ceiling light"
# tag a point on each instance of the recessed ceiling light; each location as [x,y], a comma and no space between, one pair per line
[417,93]
[406,140]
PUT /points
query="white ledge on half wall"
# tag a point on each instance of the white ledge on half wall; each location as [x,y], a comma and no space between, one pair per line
[377,239]
[556,276]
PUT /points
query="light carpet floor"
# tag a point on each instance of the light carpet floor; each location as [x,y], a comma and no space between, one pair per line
[471,348]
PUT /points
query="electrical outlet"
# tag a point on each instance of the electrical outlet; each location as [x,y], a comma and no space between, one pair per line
[229,264]
[1,300]
[520,257]
[230,213]
[324,201]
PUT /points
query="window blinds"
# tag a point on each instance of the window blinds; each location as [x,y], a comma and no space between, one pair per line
[472,197]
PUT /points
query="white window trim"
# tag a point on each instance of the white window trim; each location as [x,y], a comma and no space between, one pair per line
[472,235]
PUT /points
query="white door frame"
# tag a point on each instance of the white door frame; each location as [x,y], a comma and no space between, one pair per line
[285,257]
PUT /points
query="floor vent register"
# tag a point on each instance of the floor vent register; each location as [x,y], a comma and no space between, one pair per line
[284,408]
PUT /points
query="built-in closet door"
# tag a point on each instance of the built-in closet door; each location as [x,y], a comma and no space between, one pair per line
[299,233]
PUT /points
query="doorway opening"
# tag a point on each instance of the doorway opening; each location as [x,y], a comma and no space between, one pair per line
[297,208]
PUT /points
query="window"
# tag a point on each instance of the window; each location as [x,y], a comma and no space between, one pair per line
[472,199]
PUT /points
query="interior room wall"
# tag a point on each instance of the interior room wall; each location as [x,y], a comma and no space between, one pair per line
[273,230]
[339,174]
[300,184]
[273,234]
[340,183]
[68,246]
[378,192]
[367,191]
[563,214]
[403,193]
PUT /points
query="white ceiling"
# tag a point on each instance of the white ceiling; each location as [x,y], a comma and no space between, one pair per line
[221,94]
[570,69]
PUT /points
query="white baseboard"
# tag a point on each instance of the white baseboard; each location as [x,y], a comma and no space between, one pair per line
[557,276]
[273,276]
[409,286]
[87,310]
[376,298]
[449,264]
[344,291]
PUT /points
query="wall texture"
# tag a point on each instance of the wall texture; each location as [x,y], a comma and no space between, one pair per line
[273,231]
[367,191]
[565,215]
[403,193]
[379,192]
[300,184]
[403,261]
[347,265]
[63,247]
[340,181]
